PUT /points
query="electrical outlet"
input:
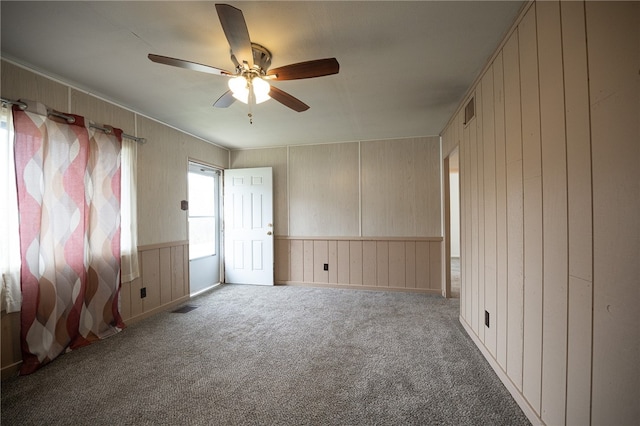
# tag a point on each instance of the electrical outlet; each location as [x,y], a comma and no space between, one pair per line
[326,266]
[143,292]
[486,318]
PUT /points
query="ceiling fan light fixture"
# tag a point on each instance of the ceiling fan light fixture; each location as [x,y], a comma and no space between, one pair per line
[249,83]
[261,89]
[240,88]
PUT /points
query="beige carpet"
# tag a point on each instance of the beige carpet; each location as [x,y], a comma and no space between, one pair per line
[274,356]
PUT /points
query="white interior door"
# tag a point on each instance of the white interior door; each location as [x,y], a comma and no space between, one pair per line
[248,226]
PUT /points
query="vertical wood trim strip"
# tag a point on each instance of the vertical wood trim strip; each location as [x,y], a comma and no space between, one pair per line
[468,203]
[473,160]
[343,262]
[515,210]
[481,229]
[446,174]
[297,260]
[382,256]
[501,319]
[166,272]
[369,263]
[533,269]
[288,195]
[554,213]
[360,188]
[435,265]
[580,300]
[422,264]
[488,267]
[332,260]
[397,264]
[308,261]
[410,272]
[356,264]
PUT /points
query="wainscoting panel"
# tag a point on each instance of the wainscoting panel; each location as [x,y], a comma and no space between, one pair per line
[11,354]
[179,271]
[164,273]
[422,264]
[407,264]
[355,263]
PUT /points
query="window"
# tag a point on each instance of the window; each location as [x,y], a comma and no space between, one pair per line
[9,238]
[202,212]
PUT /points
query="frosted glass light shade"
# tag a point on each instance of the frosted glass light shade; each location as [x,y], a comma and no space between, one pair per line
[239,88]
[260,89]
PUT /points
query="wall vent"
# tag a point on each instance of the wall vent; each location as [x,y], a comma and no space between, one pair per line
[470,110]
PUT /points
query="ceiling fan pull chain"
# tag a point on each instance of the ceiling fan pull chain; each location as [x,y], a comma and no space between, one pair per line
[251,100]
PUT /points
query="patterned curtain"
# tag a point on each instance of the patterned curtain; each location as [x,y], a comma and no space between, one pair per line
[68,179]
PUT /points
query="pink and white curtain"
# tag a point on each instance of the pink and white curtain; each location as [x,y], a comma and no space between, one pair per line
[68,178]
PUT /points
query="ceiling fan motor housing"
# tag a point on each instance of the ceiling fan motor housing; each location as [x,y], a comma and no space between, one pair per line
[261,59]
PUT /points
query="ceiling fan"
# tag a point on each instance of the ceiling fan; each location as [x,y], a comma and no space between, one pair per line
[249,83]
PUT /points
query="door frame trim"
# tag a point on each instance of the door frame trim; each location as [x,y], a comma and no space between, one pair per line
[220,252]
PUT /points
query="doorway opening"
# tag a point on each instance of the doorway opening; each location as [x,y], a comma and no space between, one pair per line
[452,223]
[204,227]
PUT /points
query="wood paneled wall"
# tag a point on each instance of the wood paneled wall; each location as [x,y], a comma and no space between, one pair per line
[550,197]
[370,210]
[401,188]
[11,352]
[324,183]
[388,188]
[411,264]
[162,179]
[164,273]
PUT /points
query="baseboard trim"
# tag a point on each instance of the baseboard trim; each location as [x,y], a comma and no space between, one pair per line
[10,370]
[361,287]
[287,237]
[157,310]
[513,390]
[205,290]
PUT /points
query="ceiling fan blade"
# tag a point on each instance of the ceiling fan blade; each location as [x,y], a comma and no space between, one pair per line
[235,29]
[287,100]
[225,100]
[181,63]
[308,69]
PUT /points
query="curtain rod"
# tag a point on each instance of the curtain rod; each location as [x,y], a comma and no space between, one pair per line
[71,120]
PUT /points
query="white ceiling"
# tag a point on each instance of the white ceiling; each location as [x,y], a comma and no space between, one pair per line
[404,66]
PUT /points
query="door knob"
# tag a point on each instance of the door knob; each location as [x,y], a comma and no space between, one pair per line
[269,233]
